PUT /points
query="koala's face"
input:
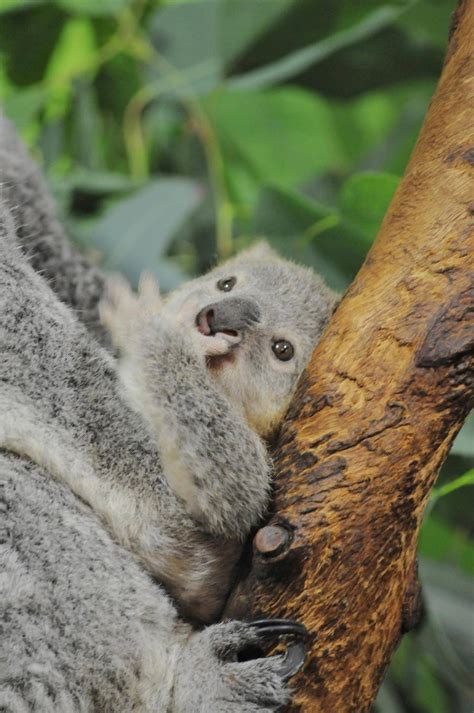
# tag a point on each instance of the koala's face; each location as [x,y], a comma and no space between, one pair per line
[271,313]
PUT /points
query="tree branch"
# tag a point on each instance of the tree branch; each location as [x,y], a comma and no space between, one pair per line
[386,391]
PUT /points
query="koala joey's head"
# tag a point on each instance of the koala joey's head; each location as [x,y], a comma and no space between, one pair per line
[272,313]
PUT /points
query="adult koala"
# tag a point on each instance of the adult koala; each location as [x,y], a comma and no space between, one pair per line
[87,515]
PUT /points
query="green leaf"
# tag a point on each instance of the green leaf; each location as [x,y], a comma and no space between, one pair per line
[283,212]
[94,7]
[364,200]
[168,274]
[447,488]
[8,5]
[449,635]
[224,27]
[23,105]
[197,65]
[374,127]
[28,36]
[98,182]
[429,21]
[73,51]
[464,442]
[73,55]
[293,64]
[237,28]
[282,136]
[136,232]
[303,229]
[339,238]
[439,541]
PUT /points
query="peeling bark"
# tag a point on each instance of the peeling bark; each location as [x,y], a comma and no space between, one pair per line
[385,393]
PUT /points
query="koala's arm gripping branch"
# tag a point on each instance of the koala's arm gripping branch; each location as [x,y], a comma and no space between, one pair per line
[212,459]
[388,388]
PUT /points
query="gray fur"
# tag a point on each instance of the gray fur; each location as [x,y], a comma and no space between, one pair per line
[76,281]
[90,511]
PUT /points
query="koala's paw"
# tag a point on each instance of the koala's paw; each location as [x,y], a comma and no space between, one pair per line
[211,346]
[123,312]
[211,679]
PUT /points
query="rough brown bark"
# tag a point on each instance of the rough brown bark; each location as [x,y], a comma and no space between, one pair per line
[385,393]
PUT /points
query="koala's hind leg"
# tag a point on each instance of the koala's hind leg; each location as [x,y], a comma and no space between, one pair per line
[84,629]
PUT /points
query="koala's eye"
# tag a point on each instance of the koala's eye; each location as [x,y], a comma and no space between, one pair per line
[226,284]
[283,350]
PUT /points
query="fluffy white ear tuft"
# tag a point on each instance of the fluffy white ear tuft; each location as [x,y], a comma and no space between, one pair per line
[260,250]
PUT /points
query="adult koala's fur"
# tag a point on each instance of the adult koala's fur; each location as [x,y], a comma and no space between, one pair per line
[99,526]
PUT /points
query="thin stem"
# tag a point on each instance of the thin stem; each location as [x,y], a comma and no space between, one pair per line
[142,49]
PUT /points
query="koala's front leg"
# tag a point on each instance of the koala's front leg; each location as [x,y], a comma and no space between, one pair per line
[211,457]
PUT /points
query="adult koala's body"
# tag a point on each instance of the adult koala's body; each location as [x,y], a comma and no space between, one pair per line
[98,505]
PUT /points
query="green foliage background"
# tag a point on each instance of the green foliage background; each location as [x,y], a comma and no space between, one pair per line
[173,132]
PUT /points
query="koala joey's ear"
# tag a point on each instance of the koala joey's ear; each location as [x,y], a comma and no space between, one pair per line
[260,250]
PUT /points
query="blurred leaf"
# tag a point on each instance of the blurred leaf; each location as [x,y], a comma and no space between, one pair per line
[452,486]
[430,695]
[387,700]
[24,105]
[340,237]
[364,200]
[293,64]
[75,48]
[82,191]
[98,182]
[27,39]
[250,127]
[87,137]
[464,442]
[168,274]
[283,212]
[173,31]
[8,5]
[73,54]
[237,27]
[224,28]
[428,21]
[302,230]
[135,232]
[449,637]
[94,7]
[439,541]
[365,121]
[378,128]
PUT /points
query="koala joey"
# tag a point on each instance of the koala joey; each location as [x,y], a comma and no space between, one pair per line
[126,489]
[212,368]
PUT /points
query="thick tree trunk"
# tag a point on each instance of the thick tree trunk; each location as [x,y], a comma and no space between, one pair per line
[386,391]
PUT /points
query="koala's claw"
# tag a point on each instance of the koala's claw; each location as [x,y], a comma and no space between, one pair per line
[294,656]
[278,627]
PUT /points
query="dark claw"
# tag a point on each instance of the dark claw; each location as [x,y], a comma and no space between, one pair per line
[277,627]
[293,660]
[294,656]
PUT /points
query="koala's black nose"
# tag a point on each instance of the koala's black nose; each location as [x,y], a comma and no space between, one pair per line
[230,314]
